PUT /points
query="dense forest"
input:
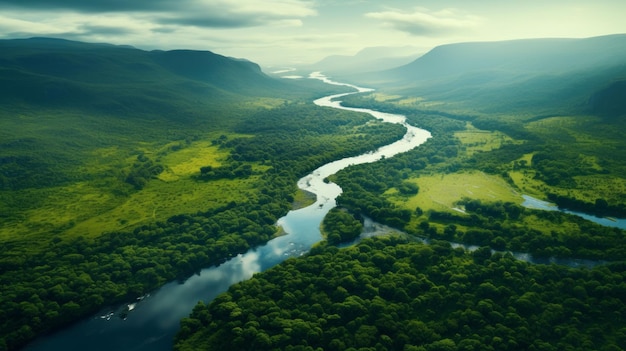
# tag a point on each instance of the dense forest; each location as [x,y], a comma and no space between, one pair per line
[380,190]
[68,277]
[389,294]
[461,186]
[110,190]
[340,226]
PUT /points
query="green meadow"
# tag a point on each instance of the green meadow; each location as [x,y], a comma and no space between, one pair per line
[86,169]
[442,191]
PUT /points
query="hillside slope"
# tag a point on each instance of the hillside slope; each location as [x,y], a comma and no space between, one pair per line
[57,73]
[367,60]
[517,74]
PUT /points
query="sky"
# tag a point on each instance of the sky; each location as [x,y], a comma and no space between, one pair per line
[292,32]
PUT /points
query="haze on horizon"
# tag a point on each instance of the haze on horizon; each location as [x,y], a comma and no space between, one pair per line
[289,32]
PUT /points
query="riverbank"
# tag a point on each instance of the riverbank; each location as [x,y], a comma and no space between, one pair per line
[303,199]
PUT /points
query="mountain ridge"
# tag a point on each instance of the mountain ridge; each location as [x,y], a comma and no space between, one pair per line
[366,60]
[521,72]
[59,72]
[521,54]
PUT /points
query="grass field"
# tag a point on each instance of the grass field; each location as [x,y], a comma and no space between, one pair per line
[441,191]
[596,147]
[104,202]
[477,140]
[588,187]
[161,200]
[303,199]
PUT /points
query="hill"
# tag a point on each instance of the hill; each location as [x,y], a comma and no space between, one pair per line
[108,78]
[610,100]
[514,74]
[370,59]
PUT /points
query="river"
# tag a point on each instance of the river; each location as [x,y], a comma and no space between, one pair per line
[152,322]
[531,202]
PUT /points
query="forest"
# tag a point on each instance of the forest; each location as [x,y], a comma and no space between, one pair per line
[392,294]
[340,226]
[589,178]
[56,279]
[397,293]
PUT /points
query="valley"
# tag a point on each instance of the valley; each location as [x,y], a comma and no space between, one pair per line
[125,189]
[177,161]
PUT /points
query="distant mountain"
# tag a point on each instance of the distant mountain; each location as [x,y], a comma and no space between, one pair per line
[227,73]
[517,73]
[57,72]
[367,60]
[516,56]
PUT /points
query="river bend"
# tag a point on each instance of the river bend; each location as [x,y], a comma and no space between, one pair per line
[152,322]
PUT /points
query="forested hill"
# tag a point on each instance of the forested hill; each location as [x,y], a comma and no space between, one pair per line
[517,56]
[514,74]
[62,73]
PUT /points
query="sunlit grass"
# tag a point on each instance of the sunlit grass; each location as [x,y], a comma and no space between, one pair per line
[593,144]
[477,140]
[188,161]
[303,199]
[90,156]
[441,191]
[588,187]
[90,208]
[160,200]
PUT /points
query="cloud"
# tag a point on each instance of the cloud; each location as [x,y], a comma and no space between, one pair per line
[18,27]
[114,27]
[200,13]
[422,22]
[96,6]
[90,29]
[240,14]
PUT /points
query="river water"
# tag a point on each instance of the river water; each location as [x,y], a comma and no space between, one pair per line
[152,322]
[531,202]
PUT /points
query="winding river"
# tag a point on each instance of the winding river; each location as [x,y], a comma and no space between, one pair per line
[151,322]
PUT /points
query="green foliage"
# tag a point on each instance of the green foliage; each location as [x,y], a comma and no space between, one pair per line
[340,226]
[287,134]
[55,279]
[231,171]
[104,146]
[600,207]
[386,294]
[544,156]
[142,171]
[61,131]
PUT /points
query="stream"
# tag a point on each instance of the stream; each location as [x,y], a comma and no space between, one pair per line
[151,322]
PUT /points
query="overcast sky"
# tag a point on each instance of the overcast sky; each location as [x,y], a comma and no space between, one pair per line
[283,32]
